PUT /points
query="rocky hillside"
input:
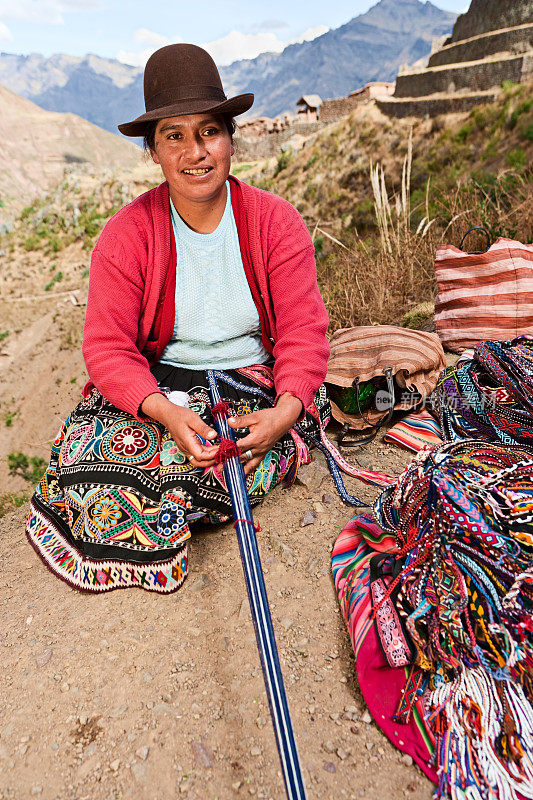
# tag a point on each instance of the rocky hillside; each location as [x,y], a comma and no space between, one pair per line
[328,179]
[37,147]
[369,47]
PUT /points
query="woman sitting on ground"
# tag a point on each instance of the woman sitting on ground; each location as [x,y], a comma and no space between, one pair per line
[202,272]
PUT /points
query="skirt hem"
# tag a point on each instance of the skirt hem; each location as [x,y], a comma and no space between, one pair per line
[95,576]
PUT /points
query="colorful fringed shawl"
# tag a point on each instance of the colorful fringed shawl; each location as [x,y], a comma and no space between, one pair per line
[462,517]
[381,685]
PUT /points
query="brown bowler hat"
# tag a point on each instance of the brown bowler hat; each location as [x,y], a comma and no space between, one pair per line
[183,79]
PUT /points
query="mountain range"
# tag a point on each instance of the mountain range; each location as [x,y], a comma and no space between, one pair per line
[370,47]
[38,145]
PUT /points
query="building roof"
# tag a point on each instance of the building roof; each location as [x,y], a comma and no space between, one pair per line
[368,85]
[311,100]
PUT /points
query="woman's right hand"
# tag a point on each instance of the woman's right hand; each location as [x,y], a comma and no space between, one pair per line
[183,424]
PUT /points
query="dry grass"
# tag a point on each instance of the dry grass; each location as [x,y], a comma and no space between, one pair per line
[379,279]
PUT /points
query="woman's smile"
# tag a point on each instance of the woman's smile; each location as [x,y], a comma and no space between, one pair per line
[194,152]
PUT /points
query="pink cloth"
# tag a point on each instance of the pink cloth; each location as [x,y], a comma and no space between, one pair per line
[130,308]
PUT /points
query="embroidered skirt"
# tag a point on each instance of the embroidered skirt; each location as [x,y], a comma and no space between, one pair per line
[115,506]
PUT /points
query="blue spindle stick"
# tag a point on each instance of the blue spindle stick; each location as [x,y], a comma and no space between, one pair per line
[264,631]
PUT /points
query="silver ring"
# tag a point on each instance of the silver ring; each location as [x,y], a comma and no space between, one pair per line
[248,455]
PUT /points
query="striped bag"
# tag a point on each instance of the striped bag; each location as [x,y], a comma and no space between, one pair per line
[484,295]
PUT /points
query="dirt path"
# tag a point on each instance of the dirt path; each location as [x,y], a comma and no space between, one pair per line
[130,695]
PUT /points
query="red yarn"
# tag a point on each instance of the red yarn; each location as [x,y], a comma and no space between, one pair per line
[220,409]
[227,449]
[257,527]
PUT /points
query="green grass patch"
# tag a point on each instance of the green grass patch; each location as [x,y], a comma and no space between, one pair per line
[31,468]
[9,501]
[57,277]
[516,158]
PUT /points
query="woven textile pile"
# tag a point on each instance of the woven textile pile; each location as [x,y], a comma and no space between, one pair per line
[491,395]
[462,517]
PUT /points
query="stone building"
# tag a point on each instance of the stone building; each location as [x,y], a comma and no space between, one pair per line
[491,43]
[309,107]
[338,107]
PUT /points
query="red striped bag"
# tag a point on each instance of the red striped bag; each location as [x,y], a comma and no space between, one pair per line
[483,295]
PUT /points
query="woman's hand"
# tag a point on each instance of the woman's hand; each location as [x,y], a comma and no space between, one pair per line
[183,425]
[266,427]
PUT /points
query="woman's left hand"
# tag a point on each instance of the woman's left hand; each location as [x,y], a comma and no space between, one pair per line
[266,427]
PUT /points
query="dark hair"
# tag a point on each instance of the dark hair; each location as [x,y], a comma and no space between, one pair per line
[149,136]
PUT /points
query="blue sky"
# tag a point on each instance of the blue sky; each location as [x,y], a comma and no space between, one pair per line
[131,29]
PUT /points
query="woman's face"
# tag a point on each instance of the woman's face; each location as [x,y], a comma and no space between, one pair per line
[194,152]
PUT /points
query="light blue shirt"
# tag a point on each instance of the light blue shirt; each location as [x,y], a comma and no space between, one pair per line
[217,325]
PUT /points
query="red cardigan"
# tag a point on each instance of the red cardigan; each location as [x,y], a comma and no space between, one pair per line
[130,308]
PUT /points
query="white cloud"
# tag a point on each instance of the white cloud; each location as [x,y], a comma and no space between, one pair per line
[236,46]
[5,33]
[233,47]
[310,34]
[43,10]
[150,38]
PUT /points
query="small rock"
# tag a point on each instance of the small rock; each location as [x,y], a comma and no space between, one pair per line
[366,718]
[260,722]
[236,785]
[287,623]
[319,508]
[407,760]
[37,789]
[255,751]
[202,754]
[329,766]
[142,752]
[147,677]
[369,745]
[328,746]
[200,583]
[86,767]
[308,518]
[312,475]
[328,499]
[350,709]
[139,772]
[116,712]
[115,765]
[342,754]
[411,787]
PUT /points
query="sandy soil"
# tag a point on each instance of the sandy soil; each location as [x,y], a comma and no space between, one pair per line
[132,695]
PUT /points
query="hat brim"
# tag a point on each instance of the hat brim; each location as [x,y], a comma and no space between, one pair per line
[234,106]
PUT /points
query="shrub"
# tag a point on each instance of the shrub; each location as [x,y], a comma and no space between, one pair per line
[31,468]
[283,161]
[57,277]
[516,158]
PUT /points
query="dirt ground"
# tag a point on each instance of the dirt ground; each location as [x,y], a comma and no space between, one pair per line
[130,695]
[133,695]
